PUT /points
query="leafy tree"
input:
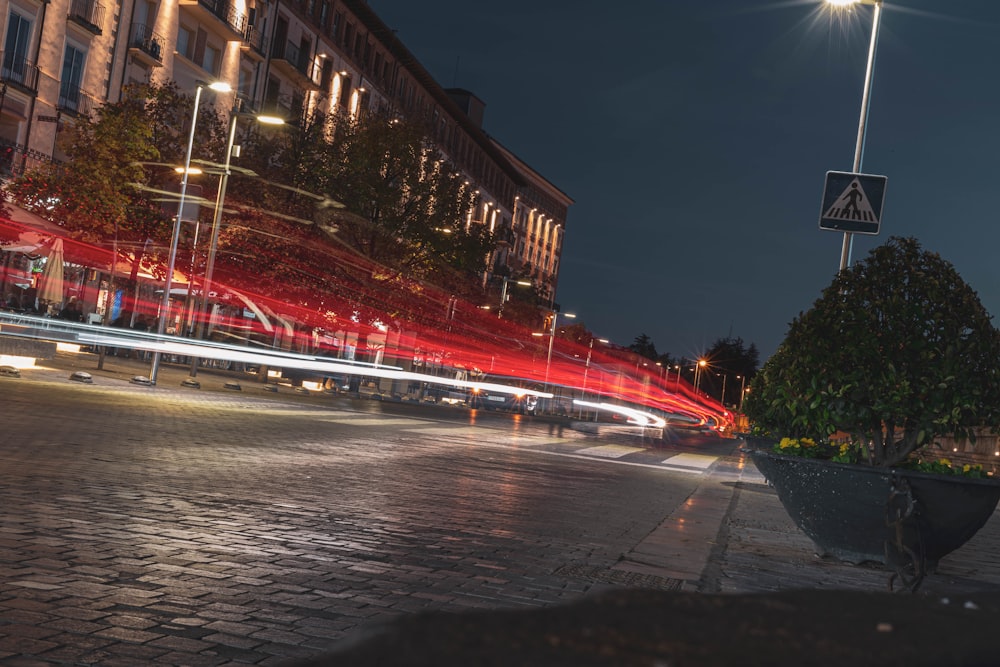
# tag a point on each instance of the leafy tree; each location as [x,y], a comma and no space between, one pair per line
[405,206]
[897,351]
[738,363]
[643,346]
[118,161]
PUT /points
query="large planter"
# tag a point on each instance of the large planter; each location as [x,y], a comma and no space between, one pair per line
[853,512]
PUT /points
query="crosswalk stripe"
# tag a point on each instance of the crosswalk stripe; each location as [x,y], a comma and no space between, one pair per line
[609,451]
[698,461]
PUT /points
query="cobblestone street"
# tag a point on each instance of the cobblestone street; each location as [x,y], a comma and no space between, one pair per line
[149,524]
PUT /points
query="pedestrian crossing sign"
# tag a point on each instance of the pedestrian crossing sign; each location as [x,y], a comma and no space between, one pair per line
[852,202]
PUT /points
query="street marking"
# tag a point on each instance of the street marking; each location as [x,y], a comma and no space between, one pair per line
[609,451]
[366,421]
[695,462]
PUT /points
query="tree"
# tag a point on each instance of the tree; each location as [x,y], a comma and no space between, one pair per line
[897,351]
[643,346]
[116,160]
[405,206]
[730,358]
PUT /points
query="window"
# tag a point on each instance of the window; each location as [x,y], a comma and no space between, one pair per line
[185,42]
[345,91]
[212,60]
[338,20]
[72,76]
[16,47]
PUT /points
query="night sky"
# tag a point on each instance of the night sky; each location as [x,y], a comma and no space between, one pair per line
[695,137]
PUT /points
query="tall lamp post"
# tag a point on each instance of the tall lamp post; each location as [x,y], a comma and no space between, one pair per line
[218,86]
[552,337]
[586,367]
[697,373]
[859,148]
[503,292]
[220,200]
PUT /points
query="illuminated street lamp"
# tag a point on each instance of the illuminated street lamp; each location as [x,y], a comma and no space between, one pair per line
[586,367]
[743,382]
[552,337]
[698,371]
[218,86]
[220,201]
[859,148]
[503,292]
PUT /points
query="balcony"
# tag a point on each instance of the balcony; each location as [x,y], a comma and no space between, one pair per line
[88,14]
[294,63]
[146,46]
[75,102]
[220,13]
[19,72]
[253,43]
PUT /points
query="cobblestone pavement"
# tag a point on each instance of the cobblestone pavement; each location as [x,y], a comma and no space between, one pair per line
[166,525]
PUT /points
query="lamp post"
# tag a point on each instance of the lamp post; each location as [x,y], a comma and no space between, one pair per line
[503,292]
[743,384]
[218,86]
[552,337]
[697,373]
[586,367]
[859,148]
[722,399]
[220,200]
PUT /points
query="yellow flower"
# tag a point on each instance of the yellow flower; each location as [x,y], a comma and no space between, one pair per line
[944,462]
[807,442]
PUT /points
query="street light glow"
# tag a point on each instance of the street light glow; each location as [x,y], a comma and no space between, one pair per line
[270,120]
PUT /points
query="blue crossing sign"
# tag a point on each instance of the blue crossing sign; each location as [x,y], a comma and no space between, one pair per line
[852,202]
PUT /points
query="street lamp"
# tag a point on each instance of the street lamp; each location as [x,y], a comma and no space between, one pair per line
[586,367]
[743,383]
[859,148]
[218,86]
[697,373]
[552,337]
[503,292]
[217,220]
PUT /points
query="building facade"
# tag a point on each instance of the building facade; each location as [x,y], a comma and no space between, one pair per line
[61,59]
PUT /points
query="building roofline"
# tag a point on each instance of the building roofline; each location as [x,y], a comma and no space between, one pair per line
[387,36]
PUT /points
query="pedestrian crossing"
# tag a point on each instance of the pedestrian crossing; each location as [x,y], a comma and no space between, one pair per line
[575,447]
[555,443]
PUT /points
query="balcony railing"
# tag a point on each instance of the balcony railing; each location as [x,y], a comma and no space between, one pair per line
[297,58]
[253,38]
[19,71]
[144,39]
[74,101]
[88,13]
[224,10]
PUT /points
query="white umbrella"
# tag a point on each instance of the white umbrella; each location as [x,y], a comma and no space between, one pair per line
[52,276]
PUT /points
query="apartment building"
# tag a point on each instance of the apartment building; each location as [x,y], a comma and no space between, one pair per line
[62,58]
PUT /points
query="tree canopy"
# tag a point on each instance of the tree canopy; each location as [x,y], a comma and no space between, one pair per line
[898,350]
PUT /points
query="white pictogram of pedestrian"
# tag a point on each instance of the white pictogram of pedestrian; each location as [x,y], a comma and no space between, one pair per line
[853,204]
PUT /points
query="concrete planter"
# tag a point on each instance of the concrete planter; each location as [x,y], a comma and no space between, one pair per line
[859,513]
